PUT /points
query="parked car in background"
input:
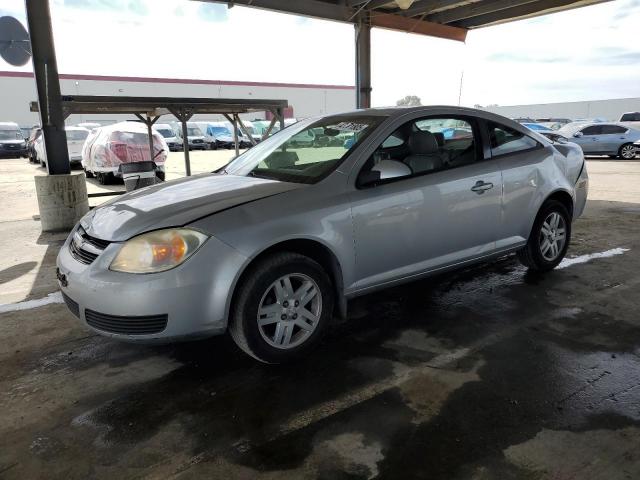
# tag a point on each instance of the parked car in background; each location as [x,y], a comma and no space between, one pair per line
[195,137]
[222,137]
[612,139]
[272,246]
[36,132]
[223,132]
[106,148]
[75,141]
[26,131]
[552,135]
[174,141]
[631,119]
[12,143]
[562,121]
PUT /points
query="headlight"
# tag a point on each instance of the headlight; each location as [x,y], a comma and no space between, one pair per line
[157,251]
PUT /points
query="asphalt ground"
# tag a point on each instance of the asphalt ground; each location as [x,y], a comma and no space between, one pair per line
[488,373]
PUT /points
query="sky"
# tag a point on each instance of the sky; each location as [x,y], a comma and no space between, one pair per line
[582,54]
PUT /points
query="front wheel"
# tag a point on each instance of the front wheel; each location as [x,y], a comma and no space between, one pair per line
[549,238]
[627,151]
[282,308]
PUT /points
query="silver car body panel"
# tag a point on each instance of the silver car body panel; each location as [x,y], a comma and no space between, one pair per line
[378,236]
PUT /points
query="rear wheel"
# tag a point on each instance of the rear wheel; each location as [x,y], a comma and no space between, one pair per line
[282,308]
[104,178]
[627,151]
[549,238]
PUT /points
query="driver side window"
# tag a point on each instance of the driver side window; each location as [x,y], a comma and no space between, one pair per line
[422,146]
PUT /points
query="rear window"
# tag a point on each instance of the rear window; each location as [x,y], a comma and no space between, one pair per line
[630,117]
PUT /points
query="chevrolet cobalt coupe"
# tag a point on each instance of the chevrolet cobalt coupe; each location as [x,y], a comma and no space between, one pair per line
[271,246]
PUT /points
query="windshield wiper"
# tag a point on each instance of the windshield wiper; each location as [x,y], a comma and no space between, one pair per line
[252,173]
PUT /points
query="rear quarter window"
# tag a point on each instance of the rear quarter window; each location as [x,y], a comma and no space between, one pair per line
[505,140]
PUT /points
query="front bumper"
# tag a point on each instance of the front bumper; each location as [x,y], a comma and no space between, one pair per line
[14,152]
[194,296]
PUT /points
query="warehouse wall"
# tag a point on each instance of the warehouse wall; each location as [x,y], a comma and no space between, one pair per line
[306,100]
[608,109]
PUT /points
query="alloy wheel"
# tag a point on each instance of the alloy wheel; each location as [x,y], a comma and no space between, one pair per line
[289,311]
[553,236]
[628,152]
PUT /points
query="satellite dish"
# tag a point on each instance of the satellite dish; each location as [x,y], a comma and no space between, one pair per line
[15,46]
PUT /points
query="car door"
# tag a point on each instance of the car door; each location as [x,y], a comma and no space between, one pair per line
[427,220]
[521,157]
[590,139]
[612,137]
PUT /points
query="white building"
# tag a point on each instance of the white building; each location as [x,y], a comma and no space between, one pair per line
[18,90]
[607,109]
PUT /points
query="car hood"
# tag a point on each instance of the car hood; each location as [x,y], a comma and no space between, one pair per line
[12,142]
[176,203]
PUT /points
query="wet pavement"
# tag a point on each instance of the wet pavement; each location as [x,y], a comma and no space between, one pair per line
[488,373]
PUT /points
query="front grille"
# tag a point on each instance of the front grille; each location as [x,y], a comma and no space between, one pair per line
[86,248]
[73,306]
[198,141]
[145,325]
[81,255]
[96,242]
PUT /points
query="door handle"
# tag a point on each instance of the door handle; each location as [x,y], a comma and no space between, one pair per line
[480,187]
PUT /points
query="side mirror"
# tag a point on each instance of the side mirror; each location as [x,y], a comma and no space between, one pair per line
[384,170]
[578,134]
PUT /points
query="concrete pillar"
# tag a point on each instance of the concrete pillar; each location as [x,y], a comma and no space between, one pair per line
[62,200]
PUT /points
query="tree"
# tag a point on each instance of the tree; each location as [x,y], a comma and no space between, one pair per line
[409,101]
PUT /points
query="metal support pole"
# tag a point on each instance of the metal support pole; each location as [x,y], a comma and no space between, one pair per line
[185,146]
[45,69]
[148,121]
[280,115]
[235,131]
[363,62]
[244,129]
[183,115]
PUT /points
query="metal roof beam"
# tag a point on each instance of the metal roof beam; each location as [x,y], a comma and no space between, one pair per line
[528,10]
[427,6]
[474,10]
[344,13]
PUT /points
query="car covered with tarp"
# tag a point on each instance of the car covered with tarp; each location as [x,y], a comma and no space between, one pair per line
[106,148]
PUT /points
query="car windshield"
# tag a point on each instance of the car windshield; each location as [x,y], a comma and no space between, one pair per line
[76,134]
[165,132]
[220,131]
[297,154]
[10,135]
[194,132]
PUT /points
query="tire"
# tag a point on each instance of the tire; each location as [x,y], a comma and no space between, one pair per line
[627,151]
[104,178]
[160,175]
[258,290]
[533,254]
[88,173]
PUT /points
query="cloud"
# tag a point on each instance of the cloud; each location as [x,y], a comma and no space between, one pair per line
[137,7]
[525,58]
[614,58]
[626,9]
[213,12]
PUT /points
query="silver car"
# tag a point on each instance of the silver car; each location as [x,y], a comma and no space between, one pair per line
[613,139]
[272,246]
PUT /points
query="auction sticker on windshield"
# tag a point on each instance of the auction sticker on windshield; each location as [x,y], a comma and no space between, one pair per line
[349,126]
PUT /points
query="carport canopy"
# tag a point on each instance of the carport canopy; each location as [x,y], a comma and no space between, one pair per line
[150,109]
[449,19]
